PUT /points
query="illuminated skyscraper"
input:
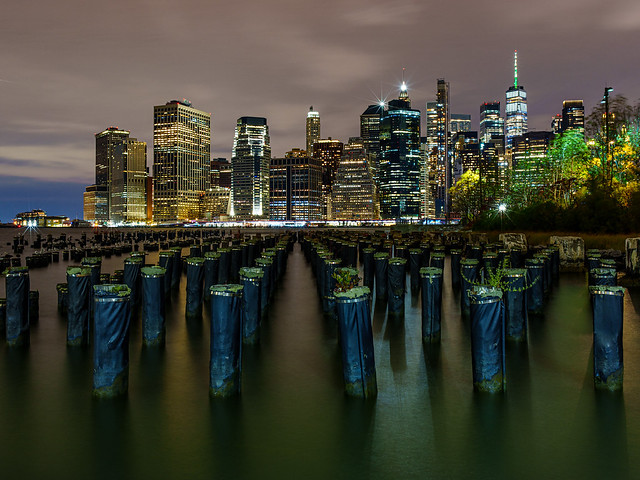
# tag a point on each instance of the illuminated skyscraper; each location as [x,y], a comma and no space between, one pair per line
[400,159]
[529,157]
[370,134]
[444,167]
[110,147]
[129,184]
[313,129]
[459,122]
[491,123]
[121,172]
[250,169]
[354,195]
[181,160]
[329,152]
[295,187]
[516,108]
[572,116]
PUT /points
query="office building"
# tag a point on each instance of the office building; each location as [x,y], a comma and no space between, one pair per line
[465,152]
[329,152]
[572,116]
[400,159]
[354,194]
[296,187]
[443,141]
[459,122]
[491,123]
[96,204]
[313,129]
[516,108]
[128,198]
[529,157]
[181,160]
[250,169]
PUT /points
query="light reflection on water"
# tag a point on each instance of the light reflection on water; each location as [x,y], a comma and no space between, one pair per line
[292,419]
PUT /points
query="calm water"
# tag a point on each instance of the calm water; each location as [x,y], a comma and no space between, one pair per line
[293,420]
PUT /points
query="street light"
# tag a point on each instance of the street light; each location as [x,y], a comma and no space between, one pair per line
[501,208]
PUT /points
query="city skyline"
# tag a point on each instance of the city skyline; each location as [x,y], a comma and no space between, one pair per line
[68,76]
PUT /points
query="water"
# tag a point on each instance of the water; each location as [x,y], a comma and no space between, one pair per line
[292,419]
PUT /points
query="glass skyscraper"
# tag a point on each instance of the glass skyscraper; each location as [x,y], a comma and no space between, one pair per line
[491,123]
[250,169]
[181,160]
[400,159]
[516,108]
[312,130]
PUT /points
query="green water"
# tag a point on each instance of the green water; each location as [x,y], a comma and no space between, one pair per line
[292,419]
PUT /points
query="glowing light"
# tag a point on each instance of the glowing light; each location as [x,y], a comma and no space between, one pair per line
[502,208]
[403,87]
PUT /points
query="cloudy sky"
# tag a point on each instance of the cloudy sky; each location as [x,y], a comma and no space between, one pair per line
[70,68]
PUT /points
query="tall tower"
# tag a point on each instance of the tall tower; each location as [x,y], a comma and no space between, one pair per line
[128,202]
[516,108]
[444,173]
[400,159]
[313,129]
[572,115]
[491,123]
[110,148]
[370,134]
[250,161]
[181,160]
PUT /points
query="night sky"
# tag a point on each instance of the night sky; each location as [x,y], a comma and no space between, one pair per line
[71,68]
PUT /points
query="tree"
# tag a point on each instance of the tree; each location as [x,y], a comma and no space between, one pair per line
[465,195]
[569,163]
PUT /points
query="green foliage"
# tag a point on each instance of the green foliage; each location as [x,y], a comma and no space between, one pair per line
[346,279]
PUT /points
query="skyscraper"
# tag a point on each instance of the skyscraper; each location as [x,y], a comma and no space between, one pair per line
[459,122]
[110,144]
[129,184]
[181,160]
[444,167]
[572,115]
[370,134]
[491,123]
[400,158]
[121,173]
[313,129]
[250,169]
[295,187]
[329,152]
[516,108]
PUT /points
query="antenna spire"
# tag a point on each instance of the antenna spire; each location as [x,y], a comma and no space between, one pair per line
[515,68]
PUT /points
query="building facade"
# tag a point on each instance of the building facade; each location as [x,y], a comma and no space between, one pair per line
[250,169]
[354,195]
[329,152]
[312,129]
[572,116]
[491,123]
[515,109]
[400,159]
[128,198]
[181,160]
[296,187]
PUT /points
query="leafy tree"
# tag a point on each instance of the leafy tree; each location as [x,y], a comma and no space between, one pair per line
[465,195]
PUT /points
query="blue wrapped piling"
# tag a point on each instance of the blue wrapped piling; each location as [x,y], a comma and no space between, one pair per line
[592,259]
[132,266]
[397,286]
[487,339]
[153,307]
[95,264]
[356,340]
[176,274]
[3,313]
[603,277]
[17,309]
[226,340]
[111,340]
[195,282]
[251,279]
[468,276]
[211,261]
[275,273]
[437,260]
[223,265]
[329,285]
[166,261]
[456,257]
[79,309]
[535,286]
[265,288]
[431,282]
[368,268]
[608,367]
[547,274]
[350,254]
[415,263]
[515,304]
[381,260]
[235,263]
[34,306]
